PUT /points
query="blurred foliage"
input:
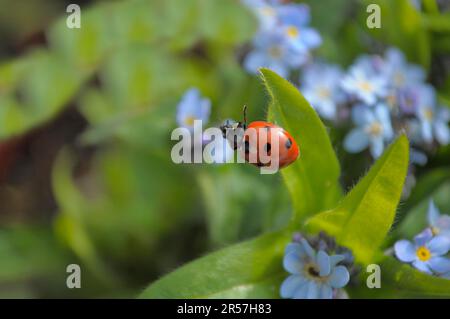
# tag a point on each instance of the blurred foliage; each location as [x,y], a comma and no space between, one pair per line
[124,211]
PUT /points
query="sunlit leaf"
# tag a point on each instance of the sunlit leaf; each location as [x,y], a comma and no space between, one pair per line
[363,218]
[313,179]
[406,279]
[248,270]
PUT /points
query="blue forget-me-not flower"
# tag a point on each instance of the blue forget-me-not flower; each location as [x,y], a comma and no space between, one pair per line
[271,51]
[373,130]
[366,86]
[193,107]
[284,39]
[294,20]
[399,71]
[265,11]
[426,254]
[433,120]
[320,86]
[314,275]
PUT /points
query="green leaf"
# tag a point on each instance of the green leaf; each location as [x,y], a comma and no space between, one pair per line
[437,23]
[363,219]
[405,278]
[313,179]
[252,269]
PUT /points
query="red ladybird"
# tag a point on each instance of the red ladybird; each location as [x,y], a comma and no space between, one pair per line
[260,134]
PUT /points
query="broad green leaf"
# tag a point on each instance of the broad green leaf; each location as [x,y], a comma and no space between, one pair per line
[313,179]
[27,100]
[405,278]
[252,269]
[363,218]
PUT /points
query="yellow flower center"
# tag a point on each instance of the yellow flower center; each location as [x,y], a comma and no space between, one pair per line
[292,32]
[423,253]
[366,86]
[189,120]
[375,129]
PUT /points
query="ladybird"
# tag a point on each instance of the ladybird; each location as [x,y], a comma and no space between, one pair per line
[257,135]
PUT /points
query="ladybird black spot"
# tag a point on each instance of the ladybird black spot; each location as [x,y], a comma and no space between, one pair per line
[246,147]
[267,148]
[288,143]
[235,142]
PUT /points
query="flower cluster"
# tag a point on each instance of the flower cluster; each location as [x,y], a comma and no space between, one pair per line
[428,251]
[315,273]
[284,38]
[382,95]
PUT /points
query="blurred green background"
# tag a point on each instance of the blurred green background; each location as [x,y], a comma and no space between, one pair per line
[85,122]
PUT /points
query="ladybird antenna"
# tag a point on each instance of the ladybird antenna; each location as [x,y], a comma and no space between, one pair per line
[244,110]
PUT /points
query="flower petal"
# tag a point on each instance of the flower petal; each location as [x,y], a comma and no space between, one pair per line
[440,265]
[323,260]
[443,224]
[292,263]
[383,115]
[310,37]
[290,285]
[293,247]
[356,141]
[361,115]
[427,132]
[433,214]
[313,290]
[336,259]
[339,277]
[326,292]
[308,249]
[254,61]
[422,238]
[405,251]
[439,245]
[302,292]
[376,146]
[442,132]
[422,266]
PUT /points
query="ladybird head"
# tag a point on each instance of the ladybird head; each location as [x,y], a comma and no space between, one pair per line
[227,126]
[233,131]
